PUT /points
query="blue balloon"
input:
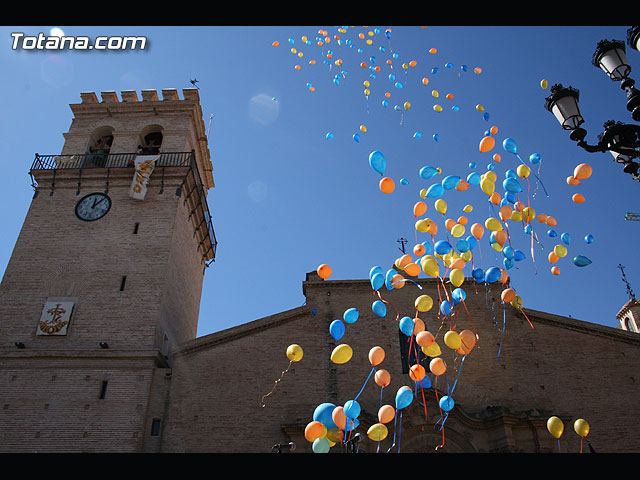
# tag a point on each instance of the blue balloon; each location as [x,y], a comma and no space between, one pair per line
[322,414]
[589,238]
[473,164]
[450,182]
[472,241]
[378,162]
[388,277]
[566,238]
[478,274]
[510,197]
[508,252]
[518,255]
[581,261]
[512,185]
[446,403]
[337,329]
[463,245]
[435,190]
[406,326]
[491,166]
[424,383]
[445,307]
[442,247]
[509,145]
[427,248]
[508,263]
[510,174]
[428,172]
[474,178]
[485,115]
[374,270]
[534,158]
[350,315]
[404,397]
[351,409]
[356,137]
[492,274]
[459,295]
[377,281]
[404,181]
[352,424]
[379,308]
[552,233]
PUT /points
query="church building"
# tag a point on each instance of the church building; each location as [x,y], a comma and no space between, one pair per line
[101,299]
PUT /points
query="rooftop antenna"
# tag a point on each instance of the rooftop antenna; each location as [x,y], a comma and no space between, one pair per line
[624,279]
[402,241]
[193,82]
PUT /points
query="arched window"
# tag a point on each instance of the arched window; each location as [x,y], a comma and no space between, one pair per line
[629,324]
[150,140]
[99,146]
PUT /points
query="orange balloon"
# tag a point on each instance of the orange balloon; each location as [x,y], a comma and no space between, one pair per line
[462,185]
[477,230]
[417,372]
[493,130]
[386,413]
[553,258]
[405,260]
[468,341]
[424,338]
[555,270]
[495,198]
[433,228]
[577,198]
[419,250]
[551,221]
[497,157]
[339,417]
[387,185]
[376,355]
[412,269]
[505,212]
[462,220]
[382,378]
[437,366]
[324,271]
[418,326]
[449,223]
[582,171]
[313,430]
[508,295]
[504,276]
[542,218]
[487,143]
[397,281]
[419,209]
[571,180]
[500,237]
[458,264]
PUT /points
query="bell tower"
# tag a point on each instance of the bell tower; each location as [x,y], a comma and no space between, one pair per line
[106,275]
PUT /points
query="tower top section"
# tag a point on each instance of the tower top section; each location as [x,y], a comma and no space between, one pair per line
[131,119]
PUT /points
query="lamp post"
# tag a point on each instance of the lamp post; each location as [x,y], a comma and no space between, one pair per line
[620,139]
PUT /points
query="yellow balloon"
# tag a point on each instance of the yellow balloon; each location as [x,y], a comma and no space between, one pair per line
[560,250]
[424,303]
[452,340]
[497,247]
[516,302]
[341,354]
[516,216]
[423,193]
[456,277]
[544,84]
[479,108]
[523,171]
[441,206]
[366,83]
[377,432]
[294,352]
[430,266]
[435,94]
[528,214]
[407,105]
[555,426]
[457,230]
[432,350]
[487,186]
[493,224]
[423,224]
[363,128]
[491,175]
[467,208]
[466,256]
[437,108]
[581,427]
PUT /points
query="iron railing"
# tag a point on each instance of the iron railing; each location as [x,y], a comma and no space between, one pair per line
[126,160]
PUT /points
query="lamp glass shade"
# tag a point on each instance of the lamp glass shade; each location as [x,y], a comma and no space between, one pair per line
[612,59]
[567,112]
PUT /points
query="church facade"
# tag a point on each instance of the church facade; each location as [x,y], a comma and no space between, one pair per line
[101,302]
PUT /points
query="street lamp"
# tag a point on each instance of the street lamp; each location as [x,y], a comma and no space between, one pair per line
[621,140]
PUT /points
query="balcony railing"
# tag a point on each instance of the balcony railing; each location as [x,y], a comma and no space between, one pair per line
[193,181]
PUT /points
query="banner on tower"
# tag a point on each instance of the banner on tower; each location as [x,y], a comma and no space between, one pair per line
[55,317]
[144,165]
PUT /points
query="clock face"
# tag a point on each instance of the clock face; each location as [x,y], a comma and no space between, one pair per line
[93,206]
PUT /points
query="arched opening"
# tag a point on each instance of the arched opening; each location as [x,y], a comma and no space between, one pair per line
[150,140]
[99,146]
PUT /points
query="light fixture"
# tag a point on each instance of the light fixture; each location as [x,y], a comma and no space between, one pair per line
[621,140]
[19,344]
[104,345]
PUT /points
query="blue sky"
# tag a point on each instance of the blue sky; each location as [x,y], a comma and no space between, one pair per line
[287,198]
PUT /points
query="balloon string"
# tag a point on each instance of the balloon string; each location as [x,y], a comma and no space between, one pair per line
[459,371]
[525,316]
[534,174]
[504,326]
[395,429]
[469,316]
[262,404]
[365,382]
